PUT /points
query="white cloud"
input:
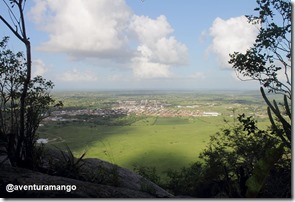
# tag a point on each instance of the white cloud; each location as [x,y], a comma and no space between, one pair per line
[143,68]
[76,75]
[80,27]
[157,50]
[232,35]
[170,51]
[39,68]
[36,12]
[109,29]
[148,30]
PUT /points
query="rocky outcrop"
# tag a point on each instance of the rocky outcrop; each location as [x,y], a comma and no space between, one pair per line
[20,176]
[102,172]
[127,178]
[94,179]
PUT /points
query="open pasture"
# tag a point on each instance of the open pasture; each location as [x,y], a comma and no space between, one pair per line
[161,142]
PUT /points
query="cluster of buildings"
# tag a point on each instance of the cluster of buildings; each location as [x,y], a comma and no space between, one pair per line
[158,108]
[171,112]
[142,107]
[95,112]
[60,115]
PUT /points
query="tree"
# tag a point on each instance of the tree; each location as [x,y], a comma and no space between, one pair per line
[24,101]
[37,104]
[269,59]
[271,52]
[233,152]
[18,28]
[266,62]
[230,160]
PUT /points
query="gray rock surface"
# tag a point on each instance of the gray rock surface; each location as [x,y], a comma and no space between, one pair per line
[95,179]
[20,176]
[102,172]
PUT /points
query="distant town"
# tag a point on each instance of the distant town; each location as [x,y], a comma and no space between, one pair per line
[128,107]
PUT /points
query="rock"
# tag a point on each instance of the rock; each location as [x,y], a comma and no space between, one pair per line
[21,176]
[126,178]
[93,178]
[102,172]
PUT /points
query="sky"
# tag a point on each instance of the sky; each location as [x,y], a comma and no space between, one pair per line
[137,44]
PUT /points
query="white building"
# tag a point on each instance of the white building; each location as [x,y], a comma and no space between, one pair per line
[211,114]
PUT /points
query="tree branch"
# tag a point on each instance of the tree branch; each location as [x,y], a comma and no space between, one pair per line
[11,28]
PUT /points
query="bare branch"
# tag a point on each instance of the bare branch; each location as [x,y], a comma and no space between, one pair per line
[11,29]
[10,12]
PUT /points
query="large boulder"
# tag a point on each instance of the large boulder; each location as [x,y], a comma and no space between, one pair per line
[125,178]
[92,177]
[19,176]
[102,172]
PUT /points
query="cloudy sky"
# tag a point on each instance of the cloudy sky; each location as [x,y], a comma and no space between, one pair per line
[137,44]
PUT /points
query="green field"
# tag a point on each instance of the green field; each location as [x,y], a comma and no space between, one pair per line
[143,140]
[160,142]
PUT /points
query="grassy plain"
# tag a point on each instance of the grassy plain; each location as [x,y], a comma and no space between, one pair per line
[161,142]
[169,143]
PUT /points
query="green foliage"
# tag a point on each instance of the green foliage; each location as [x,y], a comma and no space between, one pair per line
[233,153]
[149,173]
[283,132]
[262,169]
[227,167]
[265,61]
[75,167]
[272,49]
[21,149]
[278,183]
[188,181]
[240,161]
[69,165]
[21,153]
[74,164]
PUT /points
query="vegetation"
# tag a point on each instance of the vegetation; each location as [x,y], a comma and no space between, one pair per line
[20,141]
[24,102]
[136,144]
[21,151]
[227,164]
[270,56]
[70,166]
[245,158]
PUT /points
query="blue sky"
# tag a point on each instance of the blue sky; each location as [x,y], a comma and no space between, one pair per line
[137,44]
